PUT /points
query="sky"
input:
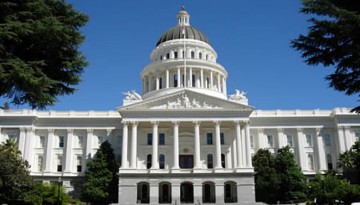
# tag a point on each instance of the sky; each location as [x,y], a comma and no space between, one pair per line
[251,38]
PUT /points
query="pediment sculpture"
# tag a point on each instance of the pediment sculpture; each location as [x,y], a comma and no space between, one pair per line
[239,97]
[131,97]
[184,102]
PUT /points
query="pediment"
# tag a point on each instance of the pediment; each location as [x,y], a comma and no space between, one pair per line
[185,100]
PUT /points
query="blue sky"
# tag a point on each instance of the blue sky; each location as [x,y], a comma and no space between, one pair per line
[252,40]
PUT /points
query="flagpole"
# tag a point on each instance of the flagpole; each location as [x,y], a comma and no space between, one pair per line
[184,34]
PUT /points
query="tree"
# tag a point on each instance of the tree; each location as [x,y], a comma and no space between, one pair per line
[292,182]
[349,162]
[39,56]
[15,180]
[331,189]
[333,40]
[101,186]
[266,182]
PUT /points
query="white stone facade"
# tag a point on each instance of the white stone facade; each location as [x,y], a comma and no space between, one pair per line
[184,140]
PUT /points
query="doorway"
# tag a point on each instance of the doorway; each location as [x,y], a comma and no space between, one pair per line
[187,193]
[186,161]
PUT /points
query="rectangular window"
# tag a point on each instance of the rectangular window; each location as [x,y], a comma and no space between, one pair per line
[327,140]
[162,139]
[175,54]
[222,138]
[309,140]
[209,138]
[59,163]
[290,140]
[61,141]
[41,141]
[80,141]
[40,163]
[149,138]
[270,141]
[79,164]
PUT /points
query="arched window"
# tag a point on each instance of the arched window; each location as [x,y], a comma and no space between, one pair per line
[210,161]
[193,81]
[208,192]
[162,161]
[164,193]
[200,55]
[230,192]
[175,80]
[143,193]
[167,56]
[148,161]
[192,54]
[175,54]
[160,83]
[223,160]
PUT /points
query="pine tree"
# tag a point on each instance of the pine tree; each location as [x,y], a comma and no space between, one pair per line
[292,182]
[266,182]
[39,56]
[333,40]
[101,186]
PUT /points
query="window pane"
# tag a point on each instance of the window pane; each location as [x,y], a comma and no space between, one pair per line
[149,139]
[222,138]
[161,138]
[209,138]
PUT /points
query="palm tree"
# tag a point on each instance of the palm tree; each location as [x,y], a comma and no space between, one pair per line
[10,146]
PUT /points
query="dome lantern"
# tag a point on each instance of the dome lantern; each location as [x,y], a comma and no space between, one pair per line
[183,17]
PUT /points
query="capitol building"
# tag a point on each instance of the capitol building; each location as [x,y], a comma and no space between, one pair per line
[184,138]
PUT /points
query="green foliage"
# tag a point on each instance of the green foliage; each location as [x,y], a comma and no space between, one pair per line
[265,177]
[293,183]
[333,40]
[331,189]
[15,180]
[349,162]
[101,186]
[39,57]
[278,178]
[48,194]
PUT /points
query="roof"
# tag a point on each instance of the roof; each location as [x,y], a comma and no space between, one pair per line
[176,33]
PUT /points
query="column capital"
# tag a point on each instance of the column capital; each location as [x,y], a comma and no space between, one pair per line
[70,131]
[90,131]
[196,122]
[318,130]
[29,129]
[299,129]
[125,122]
[154,123]
[217,122]
[260,130]
[134,123]
[50,131]
[280,129]
[237,122]
[108,131]
[175,122]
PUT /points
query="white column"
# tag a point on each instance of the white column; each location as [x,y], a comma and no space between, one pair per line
[211,80]
[29,144]
[124,158]
[178,78]
[133,145]
[224,85]
[167,78]
[217,145]
[341,139]
[49,151]
[243,145]
[185,77]
[176,145]
[155,145]
[238,144]
[157,81]
[202,83]
[248,153]
[300,147]
[281,138]
[218,82]
[190,77]
[348,138]
[89,144]
[320,151]
[197,164]
[22,139]
[69,150]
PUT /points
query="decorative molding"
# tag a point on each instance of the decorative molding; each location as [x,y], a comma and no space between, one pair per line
[90,131]
[185,103]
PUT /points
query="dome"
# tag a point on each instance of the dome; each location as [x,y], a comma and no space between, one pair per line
[176,33]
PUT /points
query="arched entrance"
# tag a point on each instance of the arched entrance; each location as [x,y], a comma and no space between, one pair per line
[164,193]
[143,193]
[186,192]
